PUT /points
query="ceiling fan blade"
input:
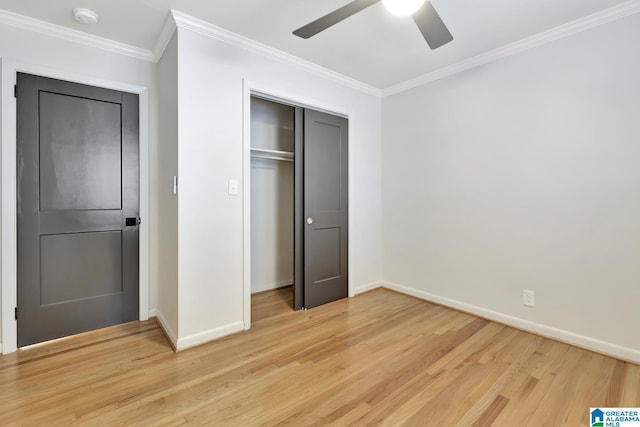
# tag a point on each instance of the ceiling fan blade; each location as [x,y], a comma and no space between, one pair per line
[431,26]
[330,19]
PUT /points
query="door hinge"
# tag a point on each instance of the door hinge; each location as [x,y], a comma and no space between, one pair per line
[16,312]
[15,90]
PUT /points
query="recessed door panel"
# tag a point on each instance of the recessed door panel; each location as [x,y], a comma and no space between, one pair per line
[77,266]
[80,153]
[326,167]
[327,248]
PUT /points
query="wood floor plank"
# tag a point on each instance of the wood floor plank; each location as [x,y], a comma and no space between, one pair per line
[491,412]
[381,358]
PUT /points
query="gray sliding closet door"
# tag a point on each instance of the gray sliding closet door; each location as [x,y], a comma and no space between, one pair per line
[325,208]
[298,215]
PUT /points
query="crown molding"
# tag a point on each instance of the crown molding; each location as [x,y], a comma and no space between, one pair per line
[179,19]
[54,30]
[608,15]
[187,22]
[164,37]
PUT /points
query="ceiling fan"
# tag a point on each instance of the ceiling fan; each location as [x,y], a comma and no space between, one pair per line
[425,16]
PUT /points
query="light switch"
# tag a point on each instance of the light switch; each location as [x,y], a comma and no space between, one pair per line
[233,187]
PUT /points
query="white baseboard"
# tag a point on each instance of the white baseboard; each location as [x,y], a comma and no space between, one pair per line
[167,329]
[153,312]
[270,287]
[368,287]
[210,335]
[607,348]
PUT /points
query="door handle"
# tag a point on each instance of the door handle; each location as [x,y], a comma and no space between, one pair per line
[130,222]
[309,220]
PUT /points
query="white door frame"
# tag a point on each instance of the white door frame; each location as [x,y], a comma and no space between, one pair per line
[9,241]
[295,99]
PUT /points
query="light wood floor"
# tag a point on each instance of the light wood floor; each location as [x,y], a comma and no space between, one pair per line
[380,358]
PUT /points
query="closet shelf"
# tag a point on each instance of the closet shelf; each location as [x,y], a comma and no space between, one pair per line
[262,153]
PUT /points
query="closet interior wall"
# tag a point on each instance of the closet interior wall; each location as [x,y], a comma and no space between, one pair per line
[272,195]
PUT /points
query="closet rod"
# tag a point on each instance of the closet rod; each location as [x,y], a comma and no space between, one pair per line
[262,153]
[267,157]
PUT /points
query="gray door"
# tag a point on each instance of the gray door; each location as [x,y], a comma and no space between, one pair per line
[77,164]
[325,208]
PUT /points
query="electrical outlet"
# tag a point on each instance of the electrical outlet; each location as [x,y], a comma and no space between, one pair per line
[528,298]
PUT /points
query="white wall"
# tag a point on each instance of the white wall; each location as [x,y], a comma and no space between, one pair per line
[272,186]
[524,174]
[26,47]
[167,239]
[210,241]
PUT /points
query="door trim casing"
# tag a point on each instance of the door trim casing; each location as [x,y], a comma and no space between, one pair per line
[8,226]
[282,96]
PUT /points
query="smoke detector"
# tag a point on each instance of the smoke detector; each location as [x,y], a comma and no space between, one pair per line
[85,16]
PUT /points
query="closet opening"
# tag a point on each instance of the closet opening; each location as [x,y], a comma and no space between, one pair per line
[298,207]
[273,161]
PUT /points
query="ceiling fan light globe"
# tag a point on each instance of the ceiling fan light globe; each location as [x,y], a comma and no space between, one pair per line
[402,7]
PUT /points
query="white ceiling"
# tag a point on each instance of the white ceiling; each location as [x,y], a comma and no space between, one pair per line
[373,46]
